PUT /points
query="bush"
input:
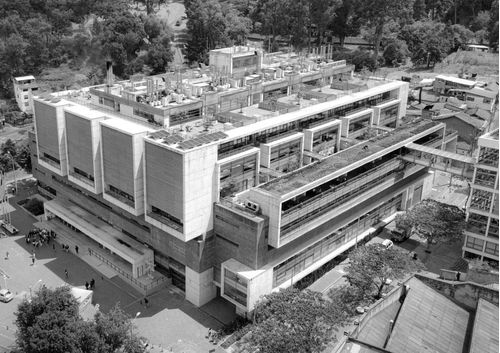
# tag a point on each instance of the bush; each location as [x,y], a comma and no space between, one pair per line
[396,53]
[34,206]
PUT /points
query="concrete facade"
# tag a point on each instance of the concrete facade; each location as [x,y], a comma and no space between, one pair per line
[251,200]
[481,235]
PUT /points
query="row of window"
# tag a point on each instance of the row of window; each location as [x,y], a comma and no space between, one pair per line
[479,244]
[303,123]
[297,263]
[177,223]
[478,224]
[235,287]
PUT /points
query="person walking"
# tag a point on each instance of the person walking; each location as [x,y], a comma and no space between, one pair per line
[33,261]
[87,285]
[76,249]
[92,283]
[66,273]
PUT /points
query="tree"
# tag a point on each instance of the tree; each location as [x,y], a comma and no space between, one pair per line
[395,53]
[419,10]
[211,25]
[49,322]
[23,157]
[378,13]
[426,41]
[370,267]
[294,321]
[434,221]
[345,21]
[493,25]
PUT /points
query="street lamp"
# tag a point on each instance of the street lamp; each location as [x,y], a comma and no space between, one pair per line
[132,322]
[14,169]
[31,287]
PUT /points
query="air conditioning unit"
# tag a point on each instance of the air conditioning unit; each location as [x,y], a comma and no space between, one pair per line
[252,206]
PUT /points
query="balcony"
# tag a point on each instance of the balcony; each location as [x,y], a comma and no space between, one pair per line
[341,193]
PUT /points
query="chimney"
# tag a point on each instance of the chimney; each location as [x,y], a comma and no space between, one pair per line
[109,75]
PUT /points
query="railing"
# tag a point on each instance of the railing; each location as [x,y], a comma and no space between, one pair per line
[82,179]
[120,198]
[391,165]
[328,199]
[166,221]
[50,162]
[127,275]
[234,151]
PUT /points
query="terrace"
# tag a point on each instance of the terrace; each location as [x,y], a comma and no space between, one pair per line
[344,158]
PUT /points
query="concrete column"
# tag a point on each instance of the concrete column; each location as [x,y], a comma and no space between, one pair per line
[199,286]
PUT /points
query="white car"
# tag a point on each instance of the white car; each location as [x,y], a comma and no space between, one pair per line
[6,295]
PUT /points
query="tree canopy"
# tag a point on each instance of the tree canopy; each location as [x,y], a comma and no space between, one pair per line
[433,220]
[371,266]
[294,321]
[49,322]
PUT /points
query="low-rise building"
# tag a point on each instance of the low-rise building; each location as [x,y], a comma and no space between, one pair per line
[24,89]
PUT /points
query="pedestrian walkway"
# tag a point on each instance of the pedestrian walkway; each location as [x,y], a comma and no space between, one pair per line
[95,256]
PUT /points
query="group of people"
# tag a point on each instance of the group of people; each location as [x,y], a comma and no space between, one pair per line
[213,336]
[37,237]
[90,285]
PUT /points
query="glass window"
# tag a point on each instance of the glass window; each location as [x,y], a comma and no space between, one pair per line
[474,243]
[493,228]
[477,224]
[485,177]
[491,248]
[488,156]
[481,200]
[235,287]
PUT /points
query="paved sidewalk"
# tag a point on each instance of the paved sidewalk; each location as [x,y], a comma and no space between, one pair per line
[169,322]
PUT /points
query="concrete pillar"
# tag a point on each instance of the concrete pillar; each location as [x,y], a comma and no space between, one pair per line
[199,286]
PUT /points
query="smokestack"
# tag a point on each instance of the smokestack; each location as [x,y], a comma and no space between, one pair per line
[109,74]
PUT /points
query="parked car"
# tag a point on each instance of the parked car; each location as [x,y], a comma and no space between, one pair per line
[6,295]
[398,236]
[387,244]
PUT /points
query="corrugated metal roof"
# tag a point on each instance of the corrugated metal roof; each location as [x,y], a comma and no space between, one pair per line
[485,331]
[428,322]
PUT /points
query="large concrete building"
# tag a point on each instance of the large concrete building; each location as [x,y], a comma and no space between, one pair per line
[481,239]
[235,183]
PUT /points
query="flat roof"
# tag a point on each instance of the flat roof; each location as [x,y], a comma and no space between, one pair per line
[458,80]
[85,112]
[24,78]
[485,332]
[124,246]
[126,126]
[430,322]
[482,92]
[344,158]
